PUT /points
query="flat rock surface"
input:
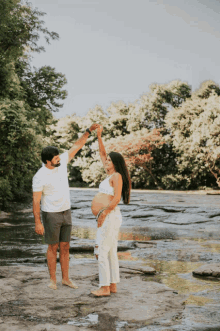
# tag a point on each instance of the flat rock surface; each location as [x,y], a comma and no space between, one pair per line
[26,303]
[212,270]
[136,267]
[173,233]
[4,215]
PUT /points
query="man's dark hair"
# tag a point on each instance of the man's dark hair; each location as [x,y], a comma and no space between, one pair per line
[48,153]
[121,167]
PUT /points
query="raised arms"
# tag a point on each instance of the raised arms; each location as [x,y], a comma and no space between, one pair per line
[80,142]
[102,151]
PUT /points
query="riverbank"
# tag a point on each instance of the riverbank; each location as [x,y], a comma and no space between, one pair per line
[199,192]
[163,240]
[153,294]
[28,304]
[19,206]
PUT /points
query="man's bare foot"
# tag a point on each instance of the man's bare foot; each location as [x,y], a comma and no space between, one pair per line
[69,283]
[113,288]
[52,285]
[104,291]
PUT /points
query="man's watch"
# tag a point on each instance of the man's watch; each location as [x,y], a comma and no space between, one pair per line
[87,130]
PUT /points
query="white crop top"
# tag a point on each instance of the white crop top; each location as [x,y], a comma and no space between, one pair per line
[105,187]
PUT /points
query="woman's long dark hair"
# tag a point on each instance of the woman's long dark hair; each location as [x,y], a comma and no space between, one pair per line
[120,166]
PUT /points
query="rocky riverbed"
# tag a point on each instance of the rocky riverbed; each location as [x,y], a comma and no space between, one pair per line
[169,264]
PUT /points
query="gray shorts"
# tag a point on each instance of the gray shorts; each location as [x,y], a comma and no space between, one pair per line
[57,226]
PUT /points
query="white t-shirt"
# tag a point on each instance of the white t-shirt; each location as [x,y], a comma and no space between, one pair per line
[53,183]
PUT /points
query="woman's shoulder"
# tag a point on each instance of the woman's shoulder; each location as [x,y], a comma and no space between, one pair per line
[116,176]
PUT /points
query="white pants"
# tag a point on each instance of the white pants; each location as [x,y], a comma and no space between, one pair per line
[106,248]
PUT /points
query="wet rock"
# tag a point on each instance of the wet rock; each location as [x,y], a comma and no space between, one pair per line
[208,270]
[131,271]
[213,193]
[80,248]
[5,224]
[89,248]
[195,257]
[4,215]
[26,210]
[134,267]
[172,209]
[144,244]
[148,213]
[185,219]
[26,303]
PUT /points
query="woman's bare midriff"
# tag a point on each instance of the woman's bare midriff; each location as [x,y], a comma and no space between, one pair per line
[101,200]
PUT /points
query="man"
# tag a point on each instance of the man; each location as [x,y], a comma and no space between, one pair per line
[51,191]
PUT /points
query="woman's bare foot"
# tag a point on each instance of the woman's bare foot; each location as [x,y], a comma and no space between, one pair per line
[104,291]
[113,288]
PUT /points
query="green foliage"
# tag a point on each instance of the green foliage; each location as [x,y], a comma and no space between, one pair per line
[161,99]
[20,28]
[42,90]
[5,189]
[19,151]
[206,89]
[27,98]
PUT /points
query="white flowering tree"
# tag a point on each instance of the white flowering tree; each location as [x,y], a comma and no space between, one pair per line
[195,134]
[181,158]
[160,99]
[136,148]
[118,121]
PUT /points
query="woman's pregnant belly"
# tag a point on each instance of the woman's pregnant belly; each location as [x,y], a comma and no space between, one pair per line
[100,201]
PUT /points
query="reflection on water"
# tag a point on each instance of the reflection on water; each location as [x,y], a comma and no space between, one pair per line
[84,256]
[126,256]
[214,248]
[197,300]
[149,216]
[133,236]
[103,321]
[90,233]
[172,275]
[174,267]
[185,286]
[84,233]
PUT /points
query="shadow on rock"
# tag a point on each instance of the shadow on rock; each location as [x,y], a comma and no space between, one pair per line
[106,322]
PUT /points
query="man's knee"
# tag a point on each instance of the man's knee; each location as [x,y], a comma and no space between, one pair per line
[53,247]
[64,246]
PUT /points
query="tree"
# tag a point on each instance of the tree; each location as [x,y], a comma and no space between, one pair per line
[42,90]
[137,149]
[20,29]
[27,98]
[206,89]
[19,151]
[160,100]
[195,136]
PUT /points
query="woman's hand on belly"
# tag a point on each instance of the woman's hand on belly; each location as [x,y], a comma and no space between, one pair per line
[101,200]
[102,218]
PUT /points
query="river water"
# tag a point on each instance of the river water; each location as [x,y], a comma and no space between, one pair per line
[149,216]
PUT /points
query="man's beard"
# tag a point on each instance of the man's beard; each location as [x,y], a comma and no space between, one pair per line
[55,165]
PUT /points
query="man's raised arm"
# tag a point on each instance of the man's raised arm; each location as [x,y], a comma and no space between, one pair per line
[81,141]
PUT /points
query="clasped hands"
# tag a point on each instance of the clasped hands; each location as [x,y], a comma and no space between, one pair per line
[97,127]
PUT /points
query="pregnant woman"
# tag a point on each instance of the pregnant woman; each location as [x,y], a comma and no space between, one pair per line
[105,208]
